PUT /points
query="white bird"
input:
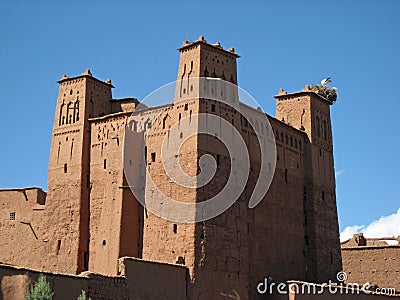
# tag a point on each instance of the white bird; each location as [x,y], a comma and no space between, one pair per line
[326,81]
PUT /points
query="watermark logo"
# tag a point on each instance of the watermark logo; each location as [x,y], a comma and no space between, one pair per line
[341,276]
[157,133]
[268,286]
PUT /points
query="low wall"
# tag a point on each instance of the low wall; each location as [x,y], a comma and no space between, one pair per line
[15,283]
[139,279]
[154,280]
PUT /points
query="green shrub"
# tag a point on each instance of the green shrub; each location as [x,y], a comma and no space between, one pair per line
[82,296]
[41,290]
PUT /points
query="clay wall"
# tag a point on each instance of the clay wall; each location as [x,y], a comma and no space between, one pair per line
[116,217]
[154,280]
[21,223]
[164,240]
[378,265]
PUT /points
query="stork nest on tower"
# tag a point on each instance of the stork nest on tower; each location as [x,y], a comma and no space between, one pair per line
[327,92]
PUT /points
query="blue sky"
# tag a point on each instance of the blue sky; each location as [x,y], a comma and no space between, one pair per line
[282,44]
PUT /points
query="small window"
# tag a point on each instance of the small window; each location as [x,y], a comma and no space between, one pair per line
[184,91]
[186,106]
[181,135]
[12,216]
[65,168]
[286,175]
[323,195]
[105,164]
[153,156]
[104,242]
[58,246]
[191,88]
[175,229]
[213,107]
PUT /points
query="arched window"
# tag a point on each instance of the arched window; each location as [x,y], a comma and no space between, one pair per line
[69,115]
[206,73]
[61,119]
[76,111]
[164,122]
[147,124]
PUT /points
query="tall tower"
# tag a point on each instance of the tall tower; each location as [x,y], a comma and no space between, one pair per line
[79,99]
[203,60]
[310,112]
[185,242]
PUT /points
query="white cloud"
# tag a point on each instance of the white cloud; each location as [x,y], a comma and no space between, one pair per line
[386,226]
[349,231]
[338,173]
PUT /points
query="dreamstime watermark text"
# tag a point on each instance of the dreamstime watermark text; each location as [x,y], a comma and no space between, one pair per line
[268,286]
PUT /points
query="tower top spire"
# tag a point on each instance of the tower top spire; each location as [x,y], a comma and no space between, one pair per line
[201,40]
[86,74]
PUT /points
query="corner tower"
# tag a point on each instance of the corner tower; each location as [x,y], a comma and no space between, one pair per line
[79,99]
[310,113]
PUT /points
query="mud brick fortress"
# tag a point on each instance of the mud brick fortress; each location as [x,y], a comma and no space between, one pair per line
[91,225]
